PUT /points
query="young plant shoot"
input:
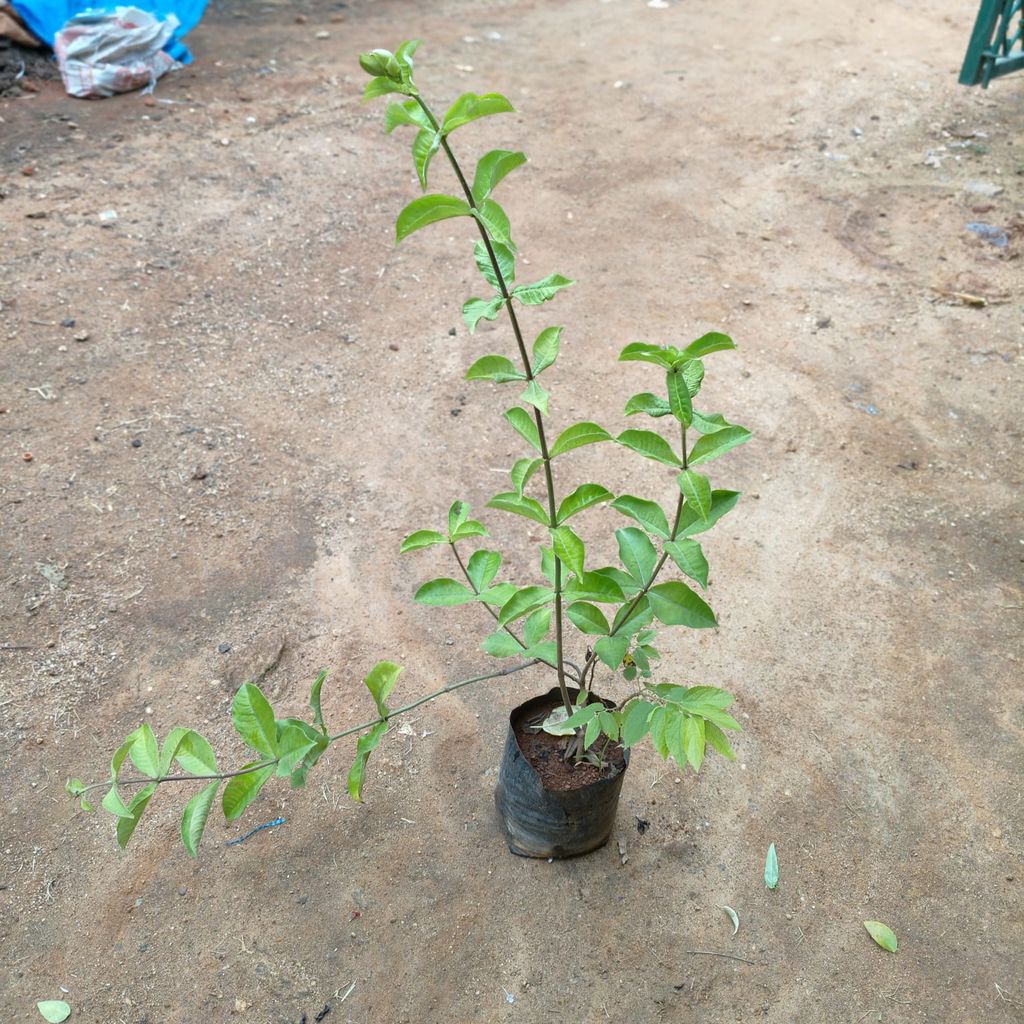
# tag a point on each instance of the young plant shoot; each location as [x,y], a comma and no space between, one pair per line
[575,617]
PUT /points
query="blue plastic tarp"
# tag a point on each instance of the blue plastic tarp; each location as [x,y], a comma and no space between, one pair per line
[47,17]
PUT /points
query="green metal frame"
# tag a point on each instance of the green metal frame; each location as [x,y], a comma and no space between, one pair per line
[997,42]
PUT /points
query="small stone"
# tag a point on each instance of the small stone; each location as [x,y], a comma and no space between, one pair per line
[107,218]
[223,648]
[323,34]
[27,456]
[451,332]
[199,473]
[68,323]
[393,347]
[136,443]
[225,142]
[28,171]
[81,335]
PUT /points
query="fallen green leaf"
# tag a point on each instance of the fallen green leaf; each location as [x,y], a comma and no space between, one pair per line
[771,868]
[734,917]
[882,934]
[54,1010]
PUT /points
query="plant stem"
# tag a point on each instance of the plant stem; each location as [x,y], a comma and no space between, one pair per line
[449,688]
[538,418]
[494,615]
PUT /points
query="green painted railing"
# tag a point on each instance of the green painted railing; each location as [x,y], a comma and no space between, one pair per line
[997,42]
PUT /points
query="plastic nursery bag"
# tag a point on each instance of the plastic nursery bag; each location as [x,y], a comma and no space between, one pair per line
[47,17]
[101,53]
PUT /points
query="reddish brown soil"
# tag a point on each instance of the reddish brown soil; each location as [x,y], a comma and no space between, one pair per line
[544,753]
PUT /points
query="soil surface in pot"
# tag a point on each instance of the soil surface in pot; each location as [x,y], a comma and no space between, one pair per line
[544,752]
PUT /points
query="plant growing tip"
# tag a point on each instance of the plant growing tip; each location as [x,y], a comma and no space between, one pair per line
[577,616]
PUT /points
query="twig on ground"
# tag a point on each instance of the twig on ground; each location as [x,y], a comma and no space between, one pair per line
[729,956]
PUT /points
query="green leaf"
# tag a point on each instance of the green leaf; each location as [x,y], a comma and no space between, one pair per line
[647,513]
[506,263]
[170,749]
[712,445]
[380,682]
[495,221]
[243,789]
[409,112]
[403,57]
[482,567]
[690,523]
[428,210]
[696,489]
[588,618]
[592,731]
[424,146]
[496,368]
[193,819]
[717,740]
[650,446]
[498,594]
[547,564]
[676,604]
[629,618]
[491,168]
[126,823]
[195,755]
[144,752]
[734,917]
[314,701]
[560,724]
[692,371]
[521,505]
[635,726]
[524,601]
[640,351]
[647,403]
[693,741]
[381,86]
[883,935]
[611,650]
[470,528]
[458,513]
[637,554]
[679,396]
[366,744]
[689,556]
[659,725]
[475,310]
[536,627]
[295,739]
[422,539]
[708,343]
[536,396]
[55,1011]
[522,471]
[524,425]
[578,435]
[469,106]
[582,498]
[771,868]
[542,291]
[501,645]
[709,423]
[568,548]
[592,586]
[444,593]
[254,719]
[545,348]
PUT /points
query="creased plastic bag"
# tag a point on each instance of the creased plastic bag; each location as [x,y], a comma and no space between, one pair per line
[102,53]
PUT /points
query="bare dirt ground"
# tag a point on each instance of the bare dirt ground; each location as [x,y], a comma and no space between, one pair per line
[260,396]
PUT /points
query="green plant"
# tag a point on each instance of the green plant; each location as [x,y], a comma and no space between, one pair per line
[612,607]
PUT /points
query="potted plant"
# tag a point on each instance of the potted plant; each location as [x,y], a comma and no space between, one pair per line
[567,750]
